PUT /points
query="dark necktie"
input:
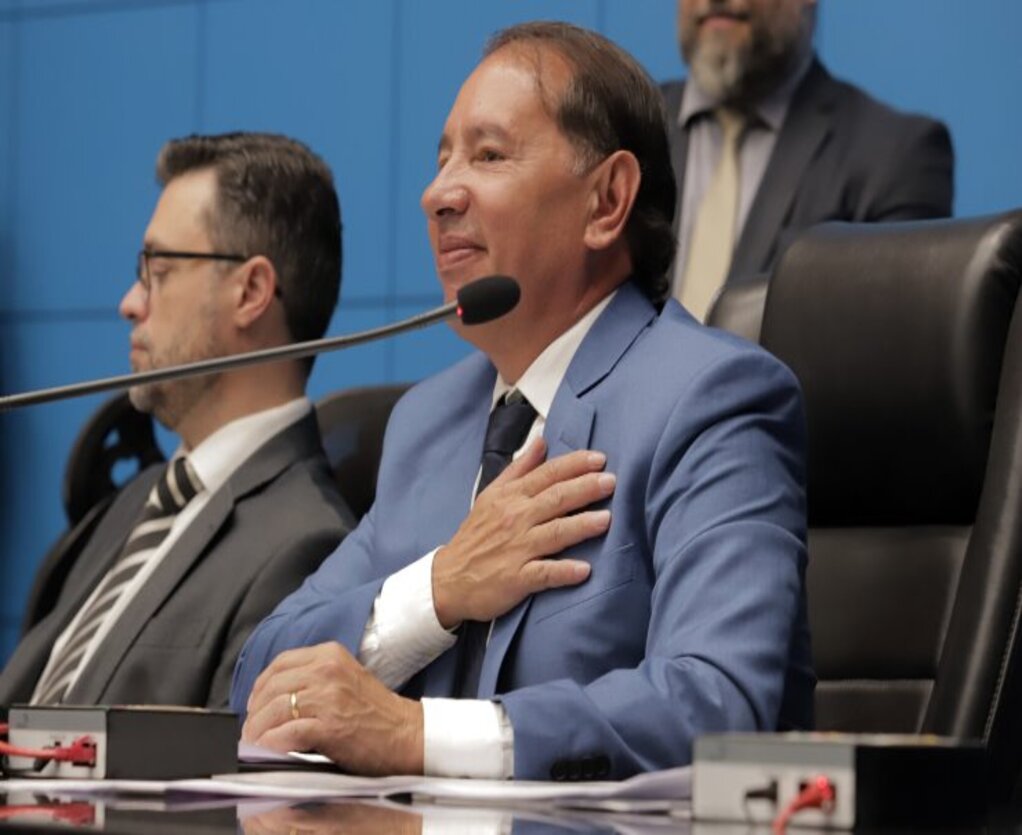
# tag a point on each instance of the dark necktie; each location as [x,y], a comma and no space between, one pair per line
[177,486]
[507,430]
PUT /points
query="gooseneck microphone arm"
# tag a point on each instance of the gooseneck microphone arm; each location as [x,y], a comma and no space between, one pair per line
[478,302]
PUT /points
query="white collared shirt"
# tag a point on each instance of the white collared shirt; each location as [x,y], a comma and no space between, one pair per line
[215,460]
[462,737]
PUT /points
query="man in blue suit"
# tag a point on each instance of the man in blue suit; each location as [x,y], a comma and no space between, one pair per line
[636,576]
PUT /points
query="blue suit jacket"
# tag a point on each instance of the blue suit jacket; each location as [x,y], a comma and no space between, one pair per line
[693,618]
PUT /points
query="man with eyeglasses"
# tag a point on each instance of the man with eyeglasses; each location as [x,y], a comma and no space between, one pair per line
[242,252]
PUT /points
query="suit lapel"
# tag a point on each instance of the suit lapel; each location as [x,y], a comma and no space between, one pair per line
[26,665]
[806,127]
[459,432]
[569,427]
[297,441]
[107,542]
[456,456]
[678,139]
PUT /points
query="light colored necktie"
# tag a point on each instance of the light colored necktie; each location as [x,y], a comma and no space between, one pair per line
[713,234]
[178,485]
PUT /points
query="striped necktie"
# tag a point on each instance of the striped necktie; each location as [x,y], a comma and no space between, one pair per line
[507,430]
[178,485]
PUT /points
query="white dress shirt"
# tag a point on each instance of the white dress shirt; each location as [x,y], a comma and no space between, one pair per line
[215,461]
[462,737]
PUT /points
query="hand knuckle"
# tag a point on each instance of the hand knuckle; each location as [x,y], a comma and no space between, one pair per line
[507,520]
[559,534]
[559,498]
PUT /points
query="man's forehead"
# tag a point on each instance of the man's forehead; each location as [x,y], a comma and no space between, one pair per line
[549,69]
[183,208]
[191,189]
[518,66]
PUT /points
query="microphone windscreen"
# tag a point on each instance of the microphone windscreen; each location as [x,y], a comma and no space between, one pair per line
[487,298]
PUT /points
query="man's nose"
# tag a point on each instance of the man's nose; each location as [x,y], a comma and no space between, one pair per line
[447,194]
[134,304]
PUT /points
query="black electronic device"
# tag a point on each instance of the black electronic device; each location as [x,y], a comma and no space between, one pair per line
[877,780]
[123,742]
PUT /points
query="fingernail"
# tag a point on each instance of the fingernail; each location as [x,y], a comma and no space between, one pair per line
[602,517]
[597,459]
[582,570]
[607,482]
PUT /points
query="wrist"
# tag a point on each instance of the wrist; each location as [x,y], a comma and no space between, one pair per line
[413,738]
[442,607]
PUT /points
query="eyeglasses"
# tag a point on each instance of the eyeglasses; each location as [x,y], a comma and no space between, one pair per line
[142,265]
[142,272]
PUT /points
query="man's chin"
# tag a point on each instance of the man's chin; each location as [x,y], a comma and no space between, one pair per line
[143,398]
[719,69]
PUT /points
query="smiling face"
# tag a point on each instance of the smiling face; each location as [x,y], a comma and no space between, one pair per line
[177,320]
[739,50]
[507,197]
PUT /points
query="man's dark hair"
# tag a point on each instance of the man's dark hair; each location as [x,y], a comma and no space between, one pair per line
[612,104]
[276,198]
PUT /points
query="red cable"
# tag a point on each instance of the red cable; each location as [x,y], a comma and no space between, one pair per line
[80,752]
[817,794]
[78,814]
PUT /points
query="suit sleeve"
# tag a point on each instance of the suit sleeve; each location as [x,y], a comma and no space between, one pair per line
[333,604]
[725,521]
[916,180]
[281,575]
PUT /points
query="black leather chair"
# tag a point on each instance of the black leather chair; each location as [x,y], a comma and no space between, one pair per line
[352,423]
[117,441]
[907,340]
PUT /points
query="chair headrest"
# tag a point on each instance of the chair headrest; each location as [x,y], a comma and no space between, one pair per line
[352,424]
[896,333]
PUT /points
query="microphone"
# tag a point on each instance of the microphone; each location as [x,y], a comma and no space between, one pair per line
[480,301]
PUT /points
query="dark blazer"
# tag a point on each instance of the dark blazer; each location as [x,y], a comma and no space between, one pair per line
[267,528]
[841,155]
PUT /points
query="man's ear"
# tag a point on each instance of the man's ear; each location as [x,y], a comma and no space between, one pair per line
[615,186]
[255,287]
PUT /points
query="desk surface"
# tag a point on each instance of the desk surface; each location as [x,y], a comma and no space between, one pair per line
[204,816]
[220,816]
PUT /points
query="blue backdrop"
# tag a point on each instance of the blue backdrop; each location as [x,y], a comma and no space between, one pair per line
[90,89]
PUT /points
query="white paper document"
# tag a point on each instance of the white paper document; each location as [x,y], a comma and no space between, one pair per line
[249,753]
[645,792]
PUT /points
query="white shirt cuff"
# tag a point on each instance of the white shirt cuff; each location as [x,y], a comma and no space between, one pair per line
[403,634]
[467,738]
[452,820]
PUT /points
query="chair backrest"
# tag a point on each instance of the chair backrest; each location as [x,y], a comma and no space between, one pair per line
[116,434]
[352,423]
[907,340]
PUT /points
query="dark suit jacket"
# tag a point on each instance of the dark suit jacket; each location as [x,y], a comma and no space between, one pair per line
[267,528]
[841,155]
